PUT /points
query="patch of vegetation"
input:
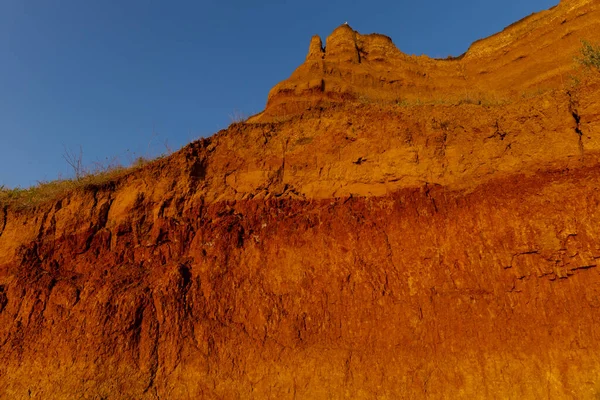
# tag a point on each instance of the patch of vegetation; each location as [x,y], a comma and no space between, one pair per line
[473,99]
[590,55]
[45,191]
[535,92]
[85,178]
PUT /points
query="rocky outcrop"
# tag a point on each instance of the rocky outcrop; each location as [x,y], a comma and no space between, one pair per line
[349,242]
[534,54]
[315,50]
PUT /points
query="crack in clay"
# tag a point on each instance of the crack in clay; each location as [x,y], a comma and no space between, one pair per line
[577,118]
[4,219]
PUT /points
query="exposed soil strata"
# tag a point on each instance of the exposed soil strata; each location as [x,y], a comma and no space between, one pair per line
[342,244]
[425,291]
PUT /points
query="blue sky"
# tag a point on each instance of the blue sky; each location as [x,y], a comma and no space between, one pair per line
[130,78]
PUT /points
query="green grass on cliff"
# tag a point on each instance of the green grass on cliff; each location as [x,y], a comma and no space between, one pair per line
[24,198]
[590,55]
[46,191]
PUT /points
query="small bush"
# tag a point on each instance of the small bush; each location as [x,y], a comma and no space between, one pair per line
[590,55]
[237,117]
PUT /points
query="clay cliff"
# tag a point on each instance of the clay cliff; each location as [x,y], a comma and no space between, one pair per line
[390,226]
[532,55]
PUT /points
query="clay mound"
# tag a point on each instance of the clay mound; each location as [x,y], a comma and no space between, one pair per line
[389,227]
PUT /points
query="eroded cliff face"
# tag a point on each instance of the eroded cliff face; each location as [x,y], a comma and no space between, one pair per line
[532,55]
[338,245]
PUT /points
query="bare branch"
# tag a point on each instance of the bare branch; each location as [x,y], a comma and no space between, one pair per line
[75,161]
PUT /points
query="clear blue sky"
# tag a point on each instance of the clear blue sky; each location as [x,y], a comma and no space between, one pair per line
[119,78]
